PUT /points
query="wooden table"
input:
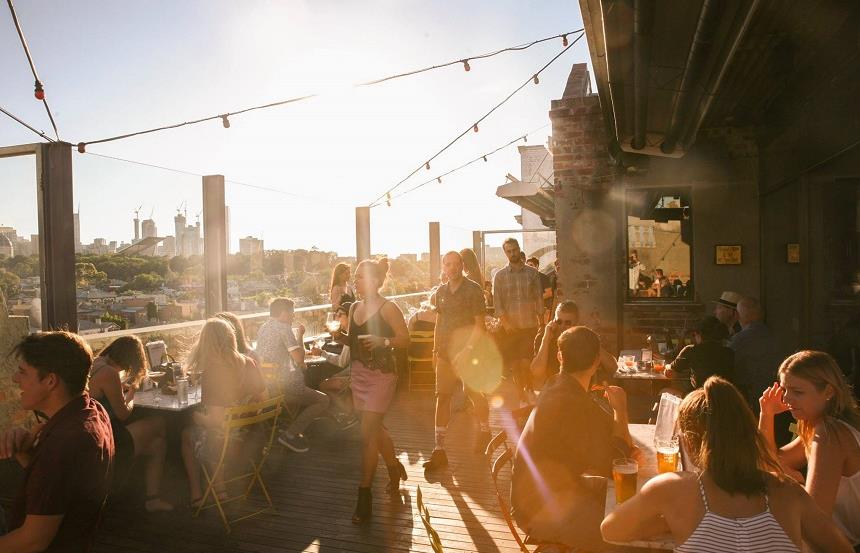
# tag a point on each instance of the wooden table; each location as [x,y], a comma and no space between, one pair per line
[643,437]
[166,402]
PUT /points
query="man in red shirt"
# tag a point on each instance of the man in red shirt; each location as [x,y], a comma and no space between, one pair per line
[67,459]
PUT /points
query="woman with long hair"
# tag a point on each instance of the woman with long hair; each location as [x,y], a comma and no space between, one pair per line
[228,379]
[740,501]
[340,286]
[814,389]
[471,267]
[242,344]
[375,329]
[116,374]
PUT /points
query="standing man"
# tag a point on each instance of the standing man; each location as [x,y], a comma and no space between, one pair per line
[547,286]
[634,268]
[277,344]
[460,312]
[518,296]
[68,459]
[726,310]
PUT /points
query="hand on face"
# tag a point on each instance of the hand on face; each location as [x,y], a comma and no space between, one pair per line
[772,400]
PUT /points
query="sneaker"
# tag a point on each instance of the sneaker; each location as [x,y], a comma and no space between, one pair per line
[481,441]
[438,461]
[299,443]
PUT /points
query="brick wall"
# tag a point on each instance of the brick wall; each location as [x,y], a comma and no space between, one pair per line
[643,319]
[586,213]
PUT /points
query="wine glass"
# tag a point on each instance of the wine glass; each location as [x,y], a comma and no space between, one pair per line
[332,323]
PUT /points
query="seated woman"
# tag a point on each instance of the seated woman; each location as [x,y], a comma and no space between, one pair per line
[707,357]
[814,389]
[116,373]
[740,501]
[242,344]
[228,379]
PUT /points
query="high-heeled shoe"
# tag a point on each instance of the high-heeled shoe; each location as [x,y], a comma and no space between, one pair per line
[396,473]
[364,507]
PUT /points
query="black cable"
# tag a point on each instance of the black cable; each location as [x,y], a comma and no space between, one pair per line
[32,65]
[43,135]
[224,116]
[426,163]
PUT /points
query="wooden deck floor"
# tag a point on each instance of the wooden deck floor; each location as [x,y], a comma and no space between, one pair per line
[314,495]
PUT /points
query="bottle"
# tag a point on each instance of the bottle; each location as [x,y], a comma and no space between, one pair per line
[670,344]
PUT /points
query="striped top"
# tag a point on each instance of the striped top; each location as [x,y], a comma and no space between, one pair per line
[756,534]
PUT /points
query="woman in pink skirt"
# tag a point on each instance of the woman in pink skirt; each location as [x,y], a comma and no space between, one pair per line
[376,328]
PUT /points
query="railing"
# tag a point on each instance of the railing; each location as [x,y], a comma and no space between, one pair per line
[180,336]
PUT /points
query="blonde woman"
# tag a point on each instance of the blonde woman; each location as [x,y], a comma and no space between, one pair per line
[813,388]
[739,502]
[376,328]
[228,379]
[340,286]
[471,267]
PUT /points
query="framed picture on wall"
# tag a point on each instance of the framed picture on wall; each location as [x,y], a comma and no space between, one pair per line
[728,255]
[792,254]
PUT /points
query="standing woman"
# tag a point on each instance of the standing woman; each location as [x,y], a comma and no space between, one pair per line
[340,286]
[376,327]
[471,267]
[814,389]
[116,373]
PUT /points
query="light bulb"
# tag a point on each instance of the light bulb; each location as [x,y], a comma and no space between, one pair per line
[536,80]
[564,40]
[82,147]
[466,65]
[439,180]
[525,138]
[427,165]
[39,92]
[475,128]
[225,121]
[485,158]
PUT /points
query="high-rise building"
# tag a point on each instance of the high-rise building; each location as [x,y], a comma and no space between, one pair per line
[78,245]
[148,230]
[253,248]
[179,228]
[167,248]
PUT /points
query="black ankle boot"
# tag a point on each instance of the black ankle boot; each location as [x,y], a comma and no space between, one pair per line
[364,506]
[396,473]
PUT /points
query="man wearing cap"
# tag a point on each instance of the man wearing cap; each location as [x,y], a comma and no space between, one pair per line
[726,310]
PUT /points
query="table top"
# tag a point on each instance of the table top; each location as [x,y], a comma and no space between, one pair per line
[647,375]
[643,437]
[164,402]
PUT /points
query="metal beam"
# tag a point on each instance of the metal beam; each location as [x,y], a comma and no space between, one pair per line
[435,254]
[643,22]
[56,235]
[362,233]
[214,244]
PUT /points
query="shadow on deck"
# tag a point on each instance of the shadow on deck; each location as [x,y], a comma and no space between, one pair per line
[314,496]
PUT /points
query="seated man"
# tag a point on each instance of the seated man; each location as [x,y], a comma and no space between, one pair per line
[277,344]
[545,364]
[707,357]
[68,459]
[569,435]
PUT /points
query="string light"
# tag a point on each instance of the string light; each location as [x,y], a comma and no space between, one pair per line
[82,148]
[464,61]
[564,40]
[439,180]
[536,80]
[525,138]
[470,127]
[225,121]
[39,92]
[475,128]
[388,199]
[485,159]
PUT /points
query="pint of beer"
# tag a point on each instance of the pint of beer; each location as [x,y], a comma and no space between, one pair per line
[667,456]
[624,473]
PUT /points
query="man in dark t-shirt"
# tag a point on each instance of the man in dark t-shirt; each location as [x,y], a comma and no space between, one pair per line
[68,459]
[569,435]
[460,311]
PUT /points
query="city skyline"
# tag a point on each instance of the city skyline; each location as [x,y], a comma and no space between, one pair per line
[326,156]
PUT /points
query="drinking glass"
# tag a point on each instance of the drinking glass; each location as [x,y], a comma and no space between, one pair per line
[332,324]
[668,452]
[659,365]
[625,472]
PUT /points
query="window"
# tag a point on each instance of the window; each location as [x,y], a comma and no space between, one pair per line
[659,241]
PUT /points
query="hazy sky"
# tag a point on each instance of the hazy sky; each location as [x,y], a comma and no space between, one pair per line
[115,66]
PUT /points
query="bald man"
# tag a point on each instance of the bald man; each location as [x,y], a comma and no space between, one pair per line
[757,355]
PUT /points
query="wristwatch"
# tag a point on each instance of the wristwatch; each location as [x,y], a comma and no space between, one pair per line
[387,343]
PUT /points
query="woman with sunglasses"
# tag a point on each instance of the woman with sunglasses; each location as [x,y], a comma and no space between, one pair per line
[546,364]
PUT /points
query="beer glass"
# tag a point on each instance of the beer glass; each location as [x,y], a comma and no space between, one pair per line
[624,473]
[667,455]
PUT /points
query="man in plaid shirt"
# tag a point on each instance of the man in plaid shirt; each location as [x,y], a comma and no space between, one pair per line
[518,297]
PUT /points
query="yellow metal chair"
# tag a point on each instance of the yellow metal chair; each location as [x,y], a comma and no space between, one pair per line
[506,457]
[263,414]
[424,513]
[274,378]
[422,375]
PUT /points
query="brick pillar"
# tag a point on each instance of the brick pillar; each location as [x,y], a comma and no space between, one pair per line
[588,217]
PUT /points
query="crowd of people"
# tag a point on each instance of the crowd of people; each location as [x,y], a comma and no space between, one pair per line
[751,486]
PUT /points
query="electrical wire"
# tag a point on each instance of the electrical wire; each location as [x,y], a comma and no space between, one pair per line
[225,116]
[463,166]
[40,133]
[32,66]
[533,77]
